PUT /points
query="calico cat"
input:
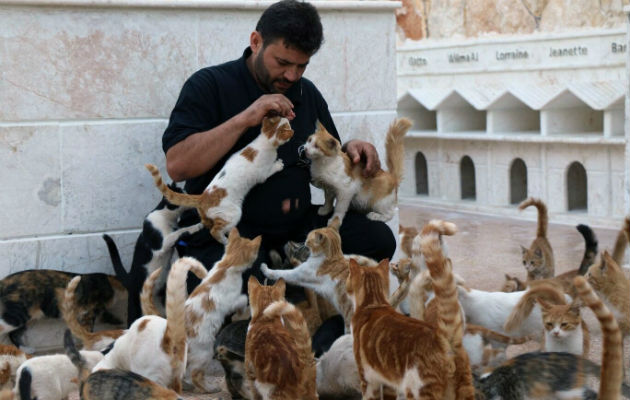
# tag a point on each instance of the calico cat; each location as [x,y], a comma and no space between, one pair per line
[113,384]
[51,377]
[278,358]
[219,206]
[216,297]
[153,346]
[421,361]
[326,269]
[10,359]
[563,281]
[560,375]
[154,249]
[333,171]
[70,310]
[32,294]
[538,259]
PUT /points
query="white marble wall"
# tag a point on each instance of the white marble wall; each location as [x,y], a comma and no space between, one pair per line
[86,88]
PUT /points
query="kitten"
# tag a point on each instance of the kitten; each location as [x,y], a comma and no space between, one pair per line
[333,171]
[278,356]
[219,206]
[10,359]
[406,235]
[325,271]
[32,294]
[70,310]
[337,373]
[565,330]
[51,377]
[216,297]
[402,272]
[538,259]
[113,384]
[153,346]
[154,249]
[563,281]
[417,359]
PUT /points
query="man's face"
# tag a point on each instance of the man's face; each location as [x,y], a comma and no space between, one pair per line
[277,67]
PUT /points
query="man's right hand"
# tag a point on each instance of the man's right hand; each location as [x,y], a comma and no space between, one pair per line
[268,103]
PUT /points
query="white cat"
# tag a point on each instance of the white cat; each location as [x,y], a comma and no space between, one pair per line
[51,377]
[219,205]
[155,347]
[333,171]
[337,372]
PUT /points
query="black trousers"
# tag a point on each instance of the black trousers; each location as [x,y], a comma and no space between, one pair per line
[359,235]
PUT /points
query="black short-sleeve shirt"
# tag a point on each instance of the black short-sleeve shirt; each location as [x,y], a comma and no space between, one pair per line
[215,94]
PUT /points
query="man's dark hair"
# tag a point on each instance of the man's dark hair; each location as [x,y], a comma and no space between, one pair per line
[297,23]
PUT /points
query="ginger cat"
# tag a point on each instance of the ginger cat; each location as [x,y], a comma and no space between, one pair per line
[155,347]
[406,235]
[70,310]
[565,330]
[278,358]
[325,271]
[219,205]
[333,171]
[417,359]
[538,259]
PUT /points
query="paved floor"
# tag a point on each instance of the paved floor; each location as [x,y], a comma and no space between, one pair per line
[487,247]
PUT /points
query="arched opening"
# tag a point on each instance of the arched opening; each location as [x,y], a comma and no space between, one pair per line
[422,176]
[467,178]
[518,181]
[577,195]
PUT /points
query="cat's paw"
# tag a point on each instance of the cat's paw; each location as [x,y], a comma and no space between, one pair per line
[278,165]
[324,210]
[266,271]
[374,216]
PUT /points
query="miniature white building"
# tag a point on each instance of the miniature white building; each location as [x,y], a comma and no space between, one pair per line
[499,119]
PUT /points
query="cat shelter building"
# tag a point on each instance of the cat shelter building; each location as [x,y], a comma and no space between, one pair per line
[500,118]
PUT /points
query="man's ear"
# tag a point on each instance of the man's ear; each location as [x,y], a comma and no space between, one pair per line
[255,42]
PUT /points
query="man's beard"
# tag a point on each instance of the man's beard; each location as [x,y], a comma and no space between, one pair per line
[262,75]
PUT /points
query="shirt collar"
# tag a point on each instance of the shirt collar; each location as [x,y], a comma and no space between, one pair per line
[254,91]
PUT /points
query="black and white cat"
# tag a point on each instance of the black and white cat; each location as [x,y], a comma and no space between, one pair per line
[154,249]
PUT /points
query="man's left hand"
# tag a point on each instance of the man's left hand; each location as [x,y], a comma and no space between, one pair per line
[358,150]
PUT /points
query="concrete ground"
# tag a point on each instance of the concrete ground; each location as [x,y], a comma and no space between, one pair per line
[486,247]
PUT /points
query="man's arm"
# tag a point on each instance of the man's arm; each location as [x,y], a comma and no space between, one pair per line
[199,152]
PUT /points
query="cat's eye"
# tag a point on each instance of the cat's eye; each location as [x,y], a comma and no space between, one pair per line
[549,325]
[524,262]
[564,325]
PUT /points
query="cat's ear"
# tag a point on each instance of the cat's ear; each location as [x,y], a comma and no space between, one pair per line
[332,143]
[252,285]
[256,241]
[335,223]
[538,252]
[233,234]
[279,289]
[524,250]
[400,228]
[508,277]
[353,267]
[575,305]
[608,261]
[383,267]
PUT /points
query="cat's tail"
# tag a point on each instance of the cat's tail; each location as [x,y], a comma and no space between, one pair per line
[293,320]
[394,147]
[621,243]
[526,304]
[543,217]
[612,363]
[70,311]
[490,335]
[119,269]
[590,248]
[7,394]
[146,296]
[77,359]
[180,199]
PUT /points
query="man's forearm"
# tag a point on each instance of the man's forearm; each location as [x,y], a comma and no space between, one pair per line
[199,152]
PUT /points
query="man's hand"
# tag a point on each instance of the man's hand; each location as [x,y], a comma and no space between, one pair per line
[358,150]
[266,104]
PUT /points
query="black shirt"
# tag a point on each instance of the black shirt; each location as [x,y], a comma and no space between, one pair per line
[215,94]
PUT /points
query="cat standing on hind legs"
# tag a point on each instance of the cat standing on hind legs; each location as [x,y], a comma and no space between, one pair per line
[538,259]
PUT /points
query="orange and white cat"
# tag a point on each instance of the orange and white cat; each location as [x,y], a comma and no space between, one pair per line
[155,347]
[10,359]
[325,270]
[417,359]
[333,171]
[538,260]
[565,330]
[219,205]
[216,297]
[279,361]
[70,310]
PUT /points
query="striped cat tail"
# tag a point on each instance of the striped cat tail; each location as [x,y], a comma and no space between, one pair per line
[621,243]
[395,149]
[543,217]
[612,363]
[526,304]
[146,296]
[70,311]
[180,199]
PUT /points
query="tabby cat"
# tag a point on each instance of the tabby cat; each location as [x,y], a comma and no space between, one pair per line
[278,358]
[538,259]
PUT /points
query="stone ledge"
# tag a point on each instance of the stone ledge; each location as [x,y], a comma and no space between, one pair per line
[347,5]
